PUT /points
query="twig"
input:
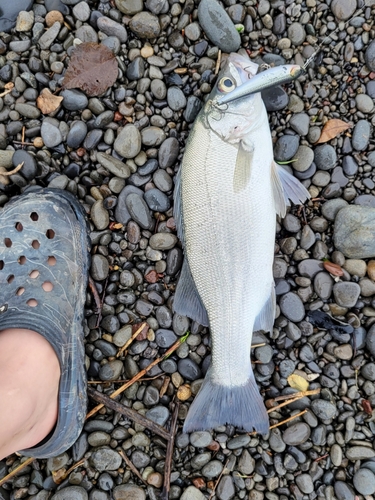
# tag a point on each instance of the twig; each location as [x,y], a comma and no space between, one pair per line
[288,419]
[135,334]
[139,375]
[23,143]
[14,171]
[121,381]
[218,480]
[164,387]
[132,467]
[99,318]
[16,470]
[59,480]
[128,412]
[95,294]
[168,457]
[217,67]
[294,395]
[258,345]
[23,134]
[321,458]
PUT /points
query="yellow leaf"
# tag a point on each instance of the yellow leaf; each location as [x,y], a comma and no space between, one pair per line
[298,382]
[332,129]
[47,102]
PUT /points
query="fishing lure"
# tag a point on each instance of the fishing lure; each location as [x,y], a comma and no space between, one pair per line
[269,78]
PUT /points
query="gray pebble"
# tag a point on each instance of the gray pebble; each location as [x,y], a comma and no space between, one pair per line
[343,491]
[343,9]
[323,285]
[49,36]
[105,459]
[50,132]
[323,409]
[361,135]
[116,167]
[200,439]
[353,232]
[77,134]
[218,26]
[99,267]
[275,99]
[359,453]
[325,157]
[157,201]
[225,489]
[304,158]
[286,147]
[212,469]
[168,152]
[176,98]
[300,122]
[128,491]
[370,56]
[99,215]
[292,307]
[111,370]
[296,34]
[331,208]
[29,168]
[112,28]
[71,492]
[364,481]
[128,142]
[305,483]
[139,211]
[145,25]
[296,434]
[158,414]
[346,294]
[189,369]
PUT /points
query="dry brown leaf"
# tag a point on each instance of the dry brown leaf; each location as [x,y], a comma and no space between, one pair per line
[47,102]
[93,68]
[332,268]
[332,129]
[298,382]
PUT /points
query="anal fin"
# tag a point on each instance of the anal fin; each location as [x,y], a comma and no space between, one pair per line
[187,301]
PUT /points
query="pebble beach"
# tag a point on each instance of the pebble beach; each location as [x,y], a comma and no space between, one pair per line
[118,151]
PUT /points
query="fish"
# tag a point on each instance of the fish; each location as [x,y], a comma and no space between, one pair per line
[228,191]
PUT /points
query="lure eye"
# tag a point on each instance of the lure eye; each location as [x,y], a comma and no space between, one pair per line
[226,85]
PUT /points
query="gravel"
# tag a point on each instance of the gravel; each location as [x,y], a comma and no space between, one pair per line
[119,153]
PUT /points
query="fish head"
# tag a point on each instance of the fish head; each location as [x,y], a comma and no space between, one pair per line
[232,121]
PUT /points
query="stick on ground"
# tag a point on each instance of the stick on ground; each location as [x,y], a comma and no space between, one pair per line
[128,412]
[168,458]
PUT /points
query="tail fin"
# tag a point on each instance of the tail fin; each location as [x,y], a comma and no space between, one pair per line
[214,405]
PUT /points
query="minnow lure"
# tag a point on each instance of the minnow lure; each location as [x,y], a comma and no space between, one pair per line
[269,78]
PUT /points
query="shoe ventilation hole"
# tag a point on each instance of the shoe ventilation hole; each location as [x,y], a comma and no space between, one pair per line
[1,265]
[10,278]
[51,260]
[47,286]
[19,226]
[32,303]
[50,234]
[22,260]
[34,274]
[34,216]
[20,291]
[35,244]
[8,242]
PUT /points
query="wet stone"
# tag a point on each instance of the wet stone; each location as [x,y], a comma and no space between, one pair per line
[370,56]
[176,98]
[353,232]
[112,28]
[346,294]
[225,489]
[296,434]
[74,99]
[286,147]
[323,285]
[300,123]
[292,307]
[105,459]
[275,99]
[323,409]
[368,371]
[71,492]
[111,370]
[158,414]
[50,132]
[325,157]
[128,491]
[157,200]
[165,338]
[359,453]
[212,469]
[29,168]
[305,483]
[189,369]
[145,25]
[200,439]
[364,481]
[99,267]
[139,211]
[343,491]
[77,134]
[304,158]
[218,26]
[128,142]
[296,34]
[136,69]
[361,135]
[193,106]
[238,442]
[163,241]
[168,152]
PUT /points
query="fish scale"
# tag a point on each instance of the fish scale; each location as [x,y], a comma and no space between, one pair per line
[227,194]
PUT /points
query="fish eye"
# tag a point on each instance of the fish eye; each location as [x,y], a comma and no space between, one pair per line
[226,85]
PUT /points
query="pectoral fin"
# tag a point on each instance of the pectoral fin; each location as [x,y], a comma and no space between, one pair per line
[187,301]
[286,187]
[242,169]
[265,319]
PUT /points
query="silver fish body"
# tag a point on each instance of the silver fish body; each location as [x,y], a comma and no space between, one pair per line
[225,208]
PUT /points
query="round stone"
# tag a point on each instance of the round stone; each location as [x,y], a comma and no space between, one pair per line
[104,459]
[370,56]
[346,293]
[292,307]
[296,434]
[364,481]
[218,26]
[128,142]
[304,158]
[343,9]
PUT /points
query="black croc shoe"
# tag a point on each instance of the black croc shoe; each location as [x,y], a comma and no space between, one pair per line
[44,244]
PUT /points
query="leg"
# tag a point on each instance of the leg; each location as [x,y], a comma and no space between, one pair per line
[29,380]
